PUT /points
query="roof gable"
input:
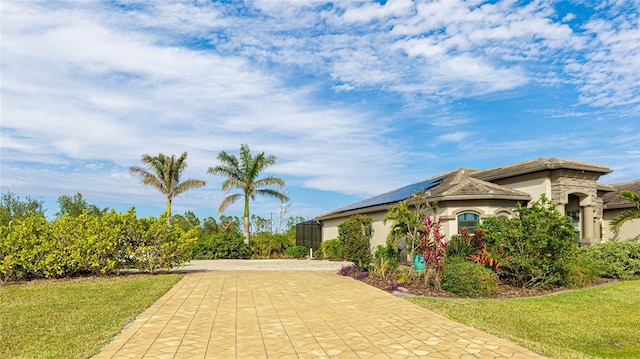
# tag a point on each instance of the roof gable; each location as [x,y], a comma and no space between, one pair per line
[536,165]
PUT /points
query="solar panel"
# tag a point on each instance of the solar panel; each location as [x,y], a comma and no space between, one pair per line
[393,196]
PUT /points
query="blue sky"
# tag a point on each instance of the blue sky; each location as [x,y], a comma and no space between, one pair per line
[354,98]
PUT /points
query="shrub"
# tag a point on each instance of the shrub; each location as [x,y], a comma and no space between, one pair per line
[332,249]
[385,261]
[581,272]
[221,245]
[153,245]
[536,247]
[353,271]
[23,245]
[357,235]
[619,260]
[460,245]
[468,279]
[267,245]
[296,252]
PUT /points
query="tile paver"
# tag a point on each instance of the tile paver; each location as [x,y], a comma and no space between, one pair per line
[296,314]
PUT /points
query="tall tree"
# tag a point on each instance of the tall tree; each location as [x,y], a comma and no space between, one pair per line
[629,214]
[243,173]
[12,207]
[74,206]
[164,175]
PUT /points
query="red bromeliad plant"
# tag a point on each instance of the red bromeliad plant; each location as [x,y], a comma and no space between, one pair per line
[433,247]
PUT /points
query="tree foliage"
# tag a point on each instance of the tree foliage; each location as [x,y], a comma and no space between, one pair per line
[75,205]
[536,247]
[12,207]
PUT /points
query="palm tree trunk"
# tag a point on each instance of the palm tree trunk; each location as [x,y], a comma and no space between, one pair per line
[246,230]
[168,211]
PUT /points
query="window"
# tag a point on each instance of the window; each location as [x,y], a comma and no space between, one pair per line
[468,220]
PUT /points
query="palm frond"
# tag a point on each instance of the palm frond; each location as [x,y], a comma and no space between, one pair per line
[271,193]
[268,181]
[187,185]
[229,200]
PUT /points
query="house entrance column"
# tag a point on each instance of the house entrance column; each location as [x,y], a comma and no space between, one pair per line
[588,224]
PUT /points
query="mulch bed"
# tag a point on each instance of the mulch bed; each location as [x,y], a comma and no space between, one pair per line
[416,286]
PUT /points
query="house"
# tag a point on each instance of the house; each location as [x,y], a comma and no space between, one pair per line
[466,196]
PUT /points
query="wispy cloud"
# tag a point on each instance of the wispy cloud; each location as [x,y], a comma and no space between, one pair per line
[355,98]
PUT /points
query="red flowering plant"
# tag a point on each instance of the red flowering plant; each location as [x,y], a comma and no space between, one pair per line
[433,246]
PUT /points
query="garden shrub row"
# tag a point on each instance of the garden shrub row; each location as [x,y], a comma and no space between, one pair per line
[620,260]
[222,245]
[90,244]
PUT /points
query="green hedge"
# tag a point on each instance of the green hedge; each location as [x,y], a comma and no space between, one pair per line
[95,244]
[296,252]
[619,260]
[221,246]
[332,249]
[469,279]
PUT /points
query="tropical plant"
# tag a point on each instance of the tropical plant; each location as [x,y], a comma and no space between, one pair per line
[459,245]
[243,173]
[433,246]
[408,223]
[629,214]
[164,175]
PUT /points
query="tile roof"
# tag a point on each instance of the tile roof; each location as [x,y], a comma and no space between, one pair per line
[611,201]
[538,164]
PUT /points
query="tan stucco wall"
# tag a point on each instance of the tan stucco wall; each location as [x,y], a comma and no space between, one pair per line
[447,211]
[533,185]
[629,231]
[380,230]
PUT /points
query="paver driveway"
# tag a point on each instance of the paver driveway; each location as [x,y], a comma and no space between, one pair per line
[296,314]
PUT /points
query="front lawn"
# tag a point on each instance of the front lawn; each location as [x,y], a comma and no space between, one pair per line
[601,322]
[73,318]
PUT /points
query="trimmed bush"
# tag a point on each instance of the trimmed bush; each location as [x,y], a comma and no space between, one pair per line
[332,249]
[296,252]
[221,246]
[357,232]
[620,260]
[469,279]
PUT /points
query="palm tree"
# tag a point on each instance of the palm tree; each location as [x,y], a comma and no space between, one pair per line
[242,173]
[629,214]
[164,175]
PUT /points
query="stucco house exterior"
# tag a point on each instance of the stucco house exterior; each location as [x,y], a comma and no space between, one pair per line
[466,196]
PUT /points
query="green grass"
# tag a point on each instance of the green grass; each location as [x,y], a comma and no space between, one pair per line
[600,322]
[73,318]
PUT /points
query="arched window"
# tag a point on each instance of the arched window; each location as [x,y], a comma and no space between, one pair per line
[503,214]
[468,220]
